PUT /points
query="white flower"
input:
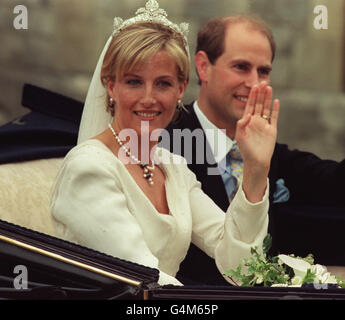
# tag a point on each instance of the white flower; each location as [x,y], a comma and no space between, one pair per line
[279,285]
[318,269]
[328,278]
[300,267]
[321,274]
[296,280]
[259,278]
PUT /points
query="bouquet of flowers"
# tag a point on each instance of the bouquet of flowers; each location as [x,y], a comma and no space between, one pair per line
[282,270]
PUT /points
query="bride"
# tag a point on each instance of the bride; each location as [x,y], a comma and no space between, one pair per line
[118,193]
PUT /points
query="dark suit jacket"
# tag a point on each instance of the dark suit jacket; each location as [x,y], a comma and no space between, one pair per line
[314,212]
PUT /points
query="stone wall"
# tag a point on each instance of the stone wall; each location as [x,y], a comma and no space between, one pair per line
[60,48]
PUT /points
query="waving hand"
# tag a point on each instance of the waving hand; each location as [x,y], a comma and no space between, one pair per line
[256,134]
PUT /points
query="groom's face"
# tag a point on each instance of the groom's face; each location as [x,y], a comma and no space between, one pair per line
[245,62]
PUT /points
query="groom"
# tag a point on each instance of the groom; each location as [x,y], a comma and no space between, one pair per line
[233,54]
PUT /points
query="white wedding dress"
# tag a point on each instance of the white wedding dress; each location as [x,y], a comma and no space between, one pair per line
[96,203]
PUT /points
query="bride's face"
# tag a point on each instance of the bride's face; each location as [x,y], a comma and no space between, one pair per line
[147,93]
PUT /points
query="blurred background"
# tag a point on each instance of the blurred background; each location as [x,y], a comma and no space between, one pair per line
[60,48]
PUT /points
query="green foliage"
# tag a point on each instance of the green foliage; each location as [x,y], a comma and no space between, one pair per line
[267,243]
[341,282]
[261,269]
[309,277]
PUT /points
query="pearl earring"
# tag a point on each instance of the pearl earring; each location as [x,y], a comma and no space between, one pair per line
[180,105]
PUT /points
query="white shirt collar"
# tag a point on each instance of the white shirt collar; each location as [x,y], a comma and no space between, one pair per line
[219,142]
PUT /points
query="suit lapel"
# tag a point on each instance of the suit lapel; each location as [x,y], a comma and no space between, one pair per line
[212,185]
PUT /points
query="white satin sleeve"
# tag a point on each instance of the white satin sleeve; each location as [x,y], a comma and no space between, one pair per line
[228,237]
[90,209]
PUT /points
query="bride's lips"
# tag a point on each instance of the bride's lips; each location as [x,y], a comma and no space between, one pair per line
[147,115]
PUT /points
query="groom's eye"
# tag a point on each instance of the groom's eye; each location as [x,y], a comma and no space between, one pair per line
[242,67]
[264,71]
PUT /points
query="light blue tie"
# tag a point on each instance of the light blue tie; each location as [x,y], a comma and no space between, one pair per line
[233,172]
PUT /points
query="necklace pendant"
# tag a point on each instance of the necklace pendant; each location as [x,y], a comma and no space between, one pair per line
[150,168]
[147,174]
[149,179]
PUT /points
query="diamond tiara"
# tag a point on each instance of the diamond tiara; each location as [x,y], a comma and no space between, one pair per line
[152,13]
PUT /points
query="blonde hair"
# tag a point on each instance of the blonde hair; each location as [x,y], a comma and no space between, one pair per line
[140,41]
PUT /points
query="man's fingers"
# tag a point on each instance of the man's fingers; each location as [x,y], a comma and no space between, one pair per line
[275,112]
[251,101]
[244,121]
[260,98]
[266,112]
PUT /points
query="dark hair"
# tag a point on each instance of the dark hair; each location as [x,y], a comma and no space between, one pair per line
[211,36]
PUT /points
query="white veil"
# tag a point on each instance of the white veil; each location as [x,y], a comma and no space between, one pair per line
[95,118]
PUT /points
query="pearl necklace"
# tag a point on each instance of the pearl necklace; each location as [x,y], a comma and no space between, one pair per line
[146,168]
